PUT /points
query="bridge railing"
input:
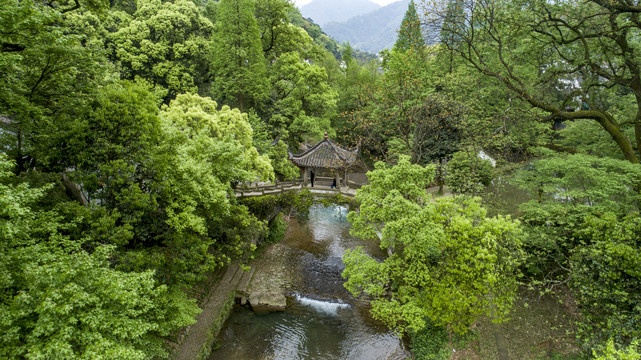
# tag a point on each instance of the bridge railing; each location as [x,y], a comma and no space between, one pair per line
[322,187]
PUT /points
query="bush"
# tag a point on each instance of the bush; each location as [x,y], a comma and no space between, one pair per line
[468,173]
[430,343]
[610,352]
[297,203]
[277,230]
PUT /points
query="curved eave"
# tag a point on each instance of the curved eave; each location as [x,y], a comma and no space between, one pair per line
[325,154]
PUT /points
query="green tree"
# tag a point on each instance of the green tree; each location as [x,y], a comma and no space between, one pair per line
[583,181]
[467,173]
[237,61]
[453,20]
[353,82]
[276,150]
[404,114]
[46,75]
[347,54]
[567,63]
[410,34]
[605,277]
[278,35]
[205,151]
[283,168]
[163,179]
[587,137]
[60,300]
[611,353]
[447,261]
[303,101]
[163,43]
[111,147]
[495,119]
[582,230]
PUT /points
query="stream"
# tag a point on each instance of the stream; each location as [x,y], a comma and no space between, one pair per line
[323,320]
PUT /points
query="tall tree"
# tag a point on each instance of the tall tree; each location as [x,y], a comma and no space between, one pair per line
[303,101]
[353,85]
[410,35]
[563,58]
[582,229]
[205,150]
[163,43]
[405,114]
[237,58]
[47,74]
[453,20]
[278,35]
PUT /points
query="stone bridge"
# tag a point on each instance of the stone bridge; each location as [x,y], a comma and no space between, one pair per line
[322,187]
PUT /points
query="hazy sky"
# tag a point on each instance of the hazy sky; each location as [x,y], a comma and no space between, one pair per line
[380,2]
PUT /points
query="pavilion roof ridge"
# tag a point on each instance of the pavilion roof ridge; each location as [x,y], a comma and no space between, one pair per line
[325,154]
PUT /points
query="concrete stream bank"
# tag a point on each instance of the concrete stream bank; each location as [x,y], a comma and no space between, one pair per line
[263,286]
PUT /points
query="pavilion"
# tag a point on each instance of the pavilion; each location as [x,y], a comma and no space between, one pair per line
[325,155]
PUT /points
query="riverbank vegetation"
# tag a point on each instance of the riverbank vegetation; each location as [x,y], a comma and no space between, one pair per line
[576,239]
[125,126]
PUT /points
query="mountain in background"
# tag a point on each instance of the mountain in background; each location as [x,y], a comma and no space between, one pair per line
[320,38]
[325,11]
[370,32]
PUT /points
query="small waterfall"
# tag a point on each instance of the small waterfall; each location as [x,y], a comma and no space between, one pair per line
[320,323]
[326,307]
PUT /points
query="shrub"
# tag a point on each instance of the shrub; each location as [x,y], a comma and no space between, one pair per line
[430,343]
[277,230]
[468,173]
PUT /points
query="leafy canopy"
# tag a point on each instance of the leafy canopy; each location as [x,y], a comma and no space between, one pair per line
[61,300]
[163,43]
[237,60]
[447,261]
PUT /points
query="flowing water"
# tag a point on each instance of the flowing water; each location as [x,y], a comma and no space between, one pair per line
[323,322]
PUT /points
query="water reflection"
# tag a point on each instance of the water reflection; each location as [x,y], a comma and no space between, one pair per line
[502,197]
[323,321]
[327,233]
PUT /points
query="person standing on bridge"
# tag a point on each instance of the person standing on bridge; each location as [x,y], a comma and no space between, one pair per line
[312,177]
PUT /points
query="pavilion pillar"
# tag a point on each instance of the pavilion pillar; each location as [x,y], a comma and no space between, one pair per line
[304,171]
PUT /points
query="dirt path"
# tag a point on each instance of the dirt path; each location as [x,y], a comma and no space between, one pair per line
[501,343]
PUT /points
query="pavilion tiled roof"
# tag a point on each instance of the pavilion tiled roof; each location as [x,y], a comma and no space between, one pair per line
[326,154]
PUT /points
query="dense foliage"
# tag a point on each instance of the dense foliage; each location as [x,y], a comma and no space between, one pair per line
[430,343]
[61,298]
[125,127]
[583,229]
[447,261]
[467,173]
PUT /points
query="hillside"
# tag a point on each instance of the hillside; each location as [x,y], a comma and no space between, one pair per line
[370,32]
[325,11]
[322,39]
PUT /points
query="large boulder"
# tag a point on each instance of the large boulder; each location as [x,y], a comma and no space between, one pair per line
[266,302]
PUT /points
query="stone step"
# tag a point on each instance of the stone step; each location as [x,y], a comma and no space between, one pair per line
[229,274]
[245,282]
[237,276]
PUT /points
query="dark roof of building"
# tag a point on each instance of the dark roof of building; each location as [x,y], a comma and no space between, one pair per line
[326,154]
